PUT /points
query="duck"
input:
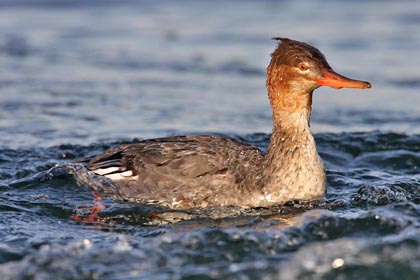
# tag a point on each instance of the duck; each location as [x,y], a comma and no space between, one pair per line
[198,171]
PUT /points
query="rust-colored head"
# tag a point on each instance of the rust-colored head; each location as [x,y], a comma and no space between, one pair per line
[296,70]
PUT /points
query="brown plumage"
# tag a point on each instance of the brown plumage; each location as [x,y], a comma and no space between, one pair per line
[201,171]
[183,171]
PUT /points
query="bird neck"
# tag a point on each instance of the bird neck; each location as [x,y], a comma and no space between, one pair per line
[292,169]
[291,140]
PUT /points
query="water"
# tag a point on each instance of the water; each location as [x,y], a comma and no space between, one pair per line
[77,77]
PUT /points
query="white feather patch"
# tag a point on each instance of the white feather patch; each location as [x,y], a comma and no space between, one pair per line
[103,171]
[121,176]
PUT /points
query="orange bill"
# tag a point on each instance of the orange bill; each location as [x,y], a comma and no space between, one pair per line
[335,80]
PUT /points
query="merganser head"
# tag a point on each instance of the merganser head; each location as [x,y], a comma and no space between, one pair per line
[297,69]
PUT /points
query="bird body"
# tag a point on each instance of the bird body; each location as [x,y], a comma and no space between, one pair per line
[202,171]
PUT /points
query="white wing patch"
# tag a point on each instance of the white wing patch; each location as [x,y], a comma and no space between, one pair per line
[114,174]
[120,176]
[103,171]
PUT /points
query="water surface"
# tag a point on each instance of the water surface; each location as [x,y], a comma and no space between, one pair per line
[79,77]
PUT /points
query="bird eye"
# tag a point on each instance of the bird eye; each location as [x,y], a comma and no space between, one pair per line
[303,66]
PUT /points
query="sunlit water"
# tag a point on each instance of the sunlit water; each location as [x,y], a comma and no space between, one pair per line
[77,78]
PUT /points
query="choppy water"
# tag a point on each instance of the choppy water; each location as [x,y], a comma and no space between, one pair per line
[77,77]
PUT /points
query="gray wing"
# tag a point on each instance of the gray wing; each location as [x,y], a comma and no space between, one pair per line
[176,168]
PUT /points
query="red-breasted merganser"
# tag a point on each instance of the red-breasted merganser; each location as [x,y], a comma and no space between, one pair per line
[201,171]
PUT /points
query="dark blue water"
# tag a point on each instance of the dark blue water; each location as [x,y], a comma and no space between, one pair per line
[78,77]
